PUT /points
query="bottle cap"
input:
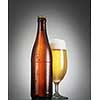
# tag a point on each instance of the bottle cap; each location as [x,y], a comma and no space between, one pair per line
[41,18]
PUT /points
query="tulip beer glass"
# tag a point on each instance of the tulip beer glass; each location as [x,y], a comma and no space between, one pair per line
[59,57]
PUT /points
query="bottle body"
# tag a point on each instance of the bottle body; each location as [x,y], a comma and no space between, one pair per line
[41,64]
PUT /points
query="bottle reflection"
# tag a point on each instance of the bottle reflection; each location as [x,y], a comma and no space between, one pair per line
[48,99]
[42,99]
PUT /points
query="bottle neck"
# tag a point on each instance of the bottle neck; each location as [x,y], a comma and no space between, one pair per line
[42,26]
[41,32]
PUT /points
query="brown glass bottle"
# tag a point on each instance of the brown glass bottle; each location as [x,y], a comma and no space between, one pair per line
[41,63]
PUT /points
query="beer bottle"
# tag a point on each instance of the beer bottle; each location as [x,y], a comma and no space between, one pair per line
[41,63]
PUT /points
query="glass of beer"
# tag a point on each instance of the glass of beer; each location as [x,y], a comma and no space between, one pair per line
[59,56]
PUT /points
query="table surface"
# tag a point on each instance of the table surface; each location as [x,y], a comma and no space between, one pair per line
[48,99]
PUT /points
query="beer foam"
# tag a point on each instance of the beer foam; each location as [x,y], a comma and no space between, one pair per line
[58,44]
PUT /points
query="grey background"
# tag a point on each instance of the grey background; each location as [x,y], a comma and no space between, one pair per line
[68,20]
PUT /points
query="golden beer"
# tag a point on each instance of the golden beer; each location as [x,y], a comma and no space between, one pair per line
[59,64]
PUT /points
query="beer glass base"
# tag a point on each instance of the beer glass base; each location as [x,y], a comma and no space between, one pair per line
[58,96]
